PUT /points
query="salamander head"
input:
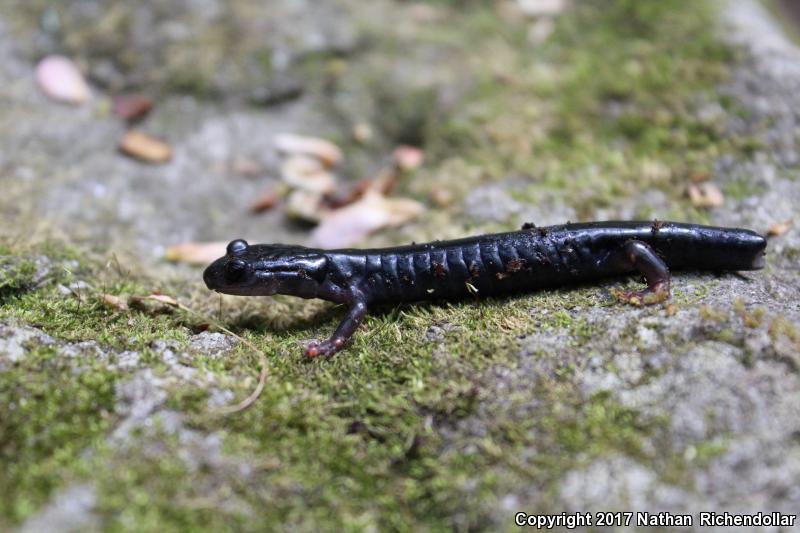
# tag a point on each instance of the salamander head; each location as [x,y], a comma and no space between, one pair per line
[267,269]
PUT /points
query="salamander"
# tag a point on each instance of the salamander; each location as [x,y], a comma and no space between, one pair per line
[484,265]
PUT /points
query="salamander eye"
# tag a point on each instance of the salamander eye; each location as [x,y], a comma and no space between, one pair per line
[237,247]
[235,269]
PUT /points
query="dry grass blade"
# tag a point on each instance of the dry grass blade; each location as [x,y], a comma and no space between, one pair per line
[262,377]
[262,360]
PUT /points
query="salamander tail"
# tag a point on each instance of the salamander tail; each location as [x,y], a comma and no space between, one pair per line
[711,248]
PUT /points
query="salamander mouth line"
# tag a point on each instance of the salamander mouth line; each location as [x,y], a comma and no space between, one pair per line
[270,273]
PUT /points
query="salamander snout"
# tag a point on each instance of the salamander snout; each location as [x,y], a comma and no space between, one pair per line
[232,273]
[225,274]
[208,277]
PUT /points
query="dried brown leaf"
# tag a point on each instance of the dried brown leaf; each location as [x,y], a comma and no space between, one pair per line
[307,173]
[114,301]
[267,200]
[131,107]
[779,228]
[304,205]
[325,151]
[351,224]
[196,253]
[145,147]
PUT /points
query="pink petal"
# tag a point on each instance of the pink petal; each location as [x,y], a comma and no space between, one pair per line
[60,79]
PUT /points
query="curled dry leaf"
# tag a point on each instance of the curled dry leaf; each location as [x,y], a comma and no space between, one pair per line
[131,107]
[145,147]
[267,200]
[705,195]
[308,174]
[60,79]
[114,301]
[325,151]
[195,253]
[349,225]
[304,205]
[780,228]
[408,158]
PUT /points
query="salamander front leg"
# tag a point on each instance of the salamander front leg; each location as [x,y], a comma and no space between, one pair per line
[640,256]
[342,334]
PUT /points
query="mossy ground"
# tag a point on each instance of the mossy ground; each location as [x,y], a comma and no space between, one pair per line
[353,441]
[378,437]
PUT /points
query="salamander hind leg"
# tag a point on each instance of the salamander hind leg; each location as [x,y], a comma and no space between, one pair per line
[641,257]
[343,332]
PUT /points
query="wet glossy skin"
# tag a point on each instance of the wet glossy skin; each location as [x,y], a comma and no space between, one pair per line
[483,265]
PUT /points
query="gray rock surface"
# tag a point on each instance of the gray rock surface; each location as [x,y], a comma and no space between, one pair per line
[71,510]
[16,339]
[715,375]
[740,393]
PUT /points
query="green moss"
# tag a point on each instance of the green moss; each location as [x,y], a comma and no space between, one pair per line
[609,106]
[742,188]
[705,452]
[406,430]
[16,275]
[56,407]
[51,414]
[358,441]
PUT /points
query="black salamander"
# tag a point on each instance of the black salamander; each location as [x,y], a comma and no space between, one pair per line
[485,265]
